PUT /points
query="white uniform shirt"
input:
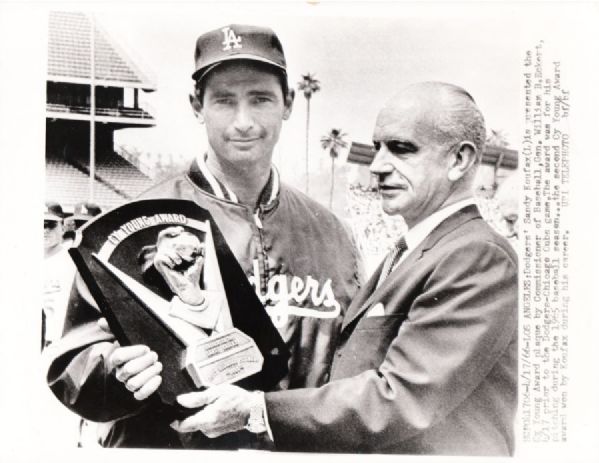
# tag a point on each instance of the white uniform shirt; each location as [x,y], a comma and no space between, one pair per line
[59,273]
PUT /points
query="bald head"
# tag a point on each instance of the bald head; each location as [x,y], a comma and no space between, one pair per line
[448,114]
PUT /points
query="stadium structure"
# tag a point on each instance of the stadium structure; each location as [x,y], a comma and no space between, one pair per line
[80,92]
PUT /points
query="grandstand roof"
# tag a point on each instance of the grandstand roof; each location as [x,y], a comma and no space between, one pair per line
[69,50]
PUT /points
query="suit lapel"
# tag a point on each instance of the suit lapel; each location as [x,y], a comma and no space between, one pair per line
[370,293]
[363,297]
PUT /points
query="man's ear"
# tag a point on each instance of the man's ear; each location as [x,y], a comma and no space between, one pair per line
[288,104]
[461,161]
[196,107]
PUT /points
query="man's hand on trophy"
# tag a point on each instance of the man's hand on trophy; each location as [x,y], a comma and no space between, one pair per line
[179,259]
[226,409]
[137,367]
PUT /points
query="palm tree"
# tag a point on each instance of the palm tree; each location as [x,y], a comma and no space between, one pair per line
[333,141]
[309,85]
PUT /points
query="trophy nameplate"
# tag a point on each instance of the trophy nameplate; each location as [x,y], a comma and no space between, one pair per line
[223,358]
[162,275]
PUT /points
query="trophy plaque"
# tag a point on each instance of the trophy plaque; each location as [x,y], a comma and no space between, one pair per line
[162,275]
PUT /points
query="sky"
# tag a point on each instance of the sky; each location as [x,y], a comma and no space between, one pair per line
[361,56]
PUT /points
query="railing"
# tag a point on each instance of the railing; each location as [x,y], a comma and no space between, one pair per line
[111,112]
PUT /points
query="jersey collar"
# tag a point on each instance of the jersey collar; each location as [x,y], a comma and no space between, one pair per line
[200,175]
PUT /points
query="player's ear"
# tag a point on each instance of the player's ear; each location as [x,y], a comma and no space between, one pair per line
[461,161]
[288,103]
[196,107]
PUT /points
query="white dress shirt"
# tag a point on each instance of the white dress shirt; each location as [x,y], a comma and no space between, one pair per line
[417,234]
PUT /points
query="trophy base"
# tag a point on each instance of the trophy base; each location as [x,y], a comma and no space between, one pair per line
[223,358]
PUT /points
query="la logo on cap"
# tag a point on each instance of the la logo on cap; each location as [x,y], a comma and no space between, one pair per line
[230,39]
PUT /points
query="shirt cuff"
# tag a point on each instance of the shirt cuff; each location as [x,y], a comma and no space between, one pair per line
[265,416]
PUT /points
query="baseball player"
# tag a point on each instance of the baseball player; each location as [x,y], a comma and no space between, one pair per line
[298,256]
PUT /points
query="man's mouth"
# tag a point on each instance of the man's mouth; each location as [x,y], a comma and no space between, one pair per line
[384,188]
[243,140]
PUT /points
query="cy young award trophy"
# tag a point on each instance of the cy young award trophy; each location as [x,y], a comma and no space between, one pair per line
[162,275]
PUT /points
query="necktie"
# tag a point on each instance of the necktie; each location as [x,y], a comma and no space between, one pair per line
[393,258]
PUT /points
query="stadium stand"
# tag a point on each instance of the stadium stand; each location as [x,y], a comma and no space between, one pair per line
[118,84]
[65,182]
[123,176]
[117,181]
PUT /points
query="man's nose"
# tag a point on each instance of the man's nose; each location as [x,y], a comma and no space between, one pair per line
[243,118]
[381,164]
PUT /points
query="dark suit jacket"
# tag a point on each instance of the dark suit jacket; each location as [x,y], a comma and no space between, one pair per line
[437,374]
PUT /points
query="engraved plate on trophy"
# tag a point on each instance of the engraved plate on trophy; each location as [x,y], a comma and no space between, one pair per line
[223,358]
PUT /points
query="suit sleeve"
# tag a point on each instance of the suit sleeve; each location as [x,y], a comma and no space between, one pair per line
[77,373]
[456,330]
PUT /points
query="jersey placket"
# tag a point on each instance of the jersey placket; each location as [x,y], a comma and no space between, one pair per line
[261,255]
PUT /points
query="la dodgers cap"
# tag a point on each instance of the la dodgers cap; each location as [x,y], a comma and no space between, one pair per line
[237,41]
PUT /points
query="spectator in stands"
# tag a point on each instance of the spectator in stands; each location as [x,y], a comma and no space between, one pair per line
[280,237]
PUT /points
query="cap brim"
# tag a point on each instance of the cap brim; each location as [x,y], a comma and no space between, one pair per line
[53,217]
[201,73]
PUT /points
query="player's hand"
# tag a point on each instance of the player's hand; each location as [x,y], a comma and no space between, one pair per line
[137,367]
[227,409]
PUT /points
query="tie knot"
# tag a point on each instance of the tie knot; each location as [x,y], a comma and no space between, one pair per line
[393,258]
[401,245]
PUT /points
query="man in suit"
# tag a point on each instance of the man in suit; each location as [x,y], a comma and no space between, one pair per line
[426,362]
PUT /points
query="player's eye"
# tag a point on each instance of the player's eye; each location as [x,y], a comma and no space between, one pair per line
[377,145]
[261,99]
